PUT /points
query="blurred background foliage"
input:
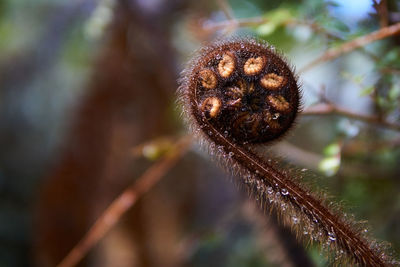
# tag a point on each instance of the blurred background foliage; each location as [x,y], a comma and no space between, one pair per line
[83,82]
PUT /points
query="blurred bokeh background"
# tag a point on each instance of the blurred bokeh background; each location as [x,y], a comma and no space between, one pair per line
[87,104]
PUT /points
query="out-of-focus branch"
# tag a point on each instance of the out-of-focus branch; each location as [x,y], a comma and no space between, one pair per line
[331,109]
[297,155]
[226,8]
[129,72]
[353,44]
[257,21]
[124,202]
[382,11]
[231,24]
[391,71]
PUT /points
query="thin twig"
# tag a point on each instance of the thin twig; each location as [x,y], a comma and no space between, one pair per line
[390,70]
[257,21]
[226,8]
[331,109]
[228,11]
[353,44]
[247,22]
[124,202]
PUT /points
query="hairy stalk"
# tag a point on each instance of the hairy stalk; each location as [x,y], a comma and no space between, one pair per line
[240,93]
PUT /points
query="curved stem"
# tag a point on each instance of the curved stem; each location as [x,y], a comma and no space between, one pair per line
[265,176]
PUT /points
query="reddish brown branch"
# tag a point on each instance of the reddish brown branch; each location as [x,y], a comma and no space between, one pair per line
[354,44]
[124,202]
[257,21]
[331,109]
[247,22]
[226,8]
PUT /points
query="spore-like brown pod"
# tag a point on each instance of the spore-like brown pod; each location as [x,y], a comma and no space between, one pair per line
[240,93]
[248,82]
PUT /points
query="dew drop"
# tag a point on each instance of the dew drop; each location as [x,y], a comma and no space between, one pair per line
[230,154]
[270,190]
[247,179]
[331,236]
[276,116]
[285,192]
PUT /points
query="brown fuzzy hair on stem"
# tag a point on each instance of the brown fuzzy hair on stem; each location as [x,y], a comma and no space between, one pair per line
[239,93]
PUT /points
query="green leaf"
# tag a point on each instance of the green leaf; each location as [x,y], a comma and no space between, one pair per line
[332,149]
[266,29]
[367,91]
[156,148]
[329,165]
[394,92]
[276,18]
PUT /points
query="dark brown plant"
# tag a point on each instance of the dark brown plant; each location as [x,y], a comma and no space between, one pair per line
[240,93]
